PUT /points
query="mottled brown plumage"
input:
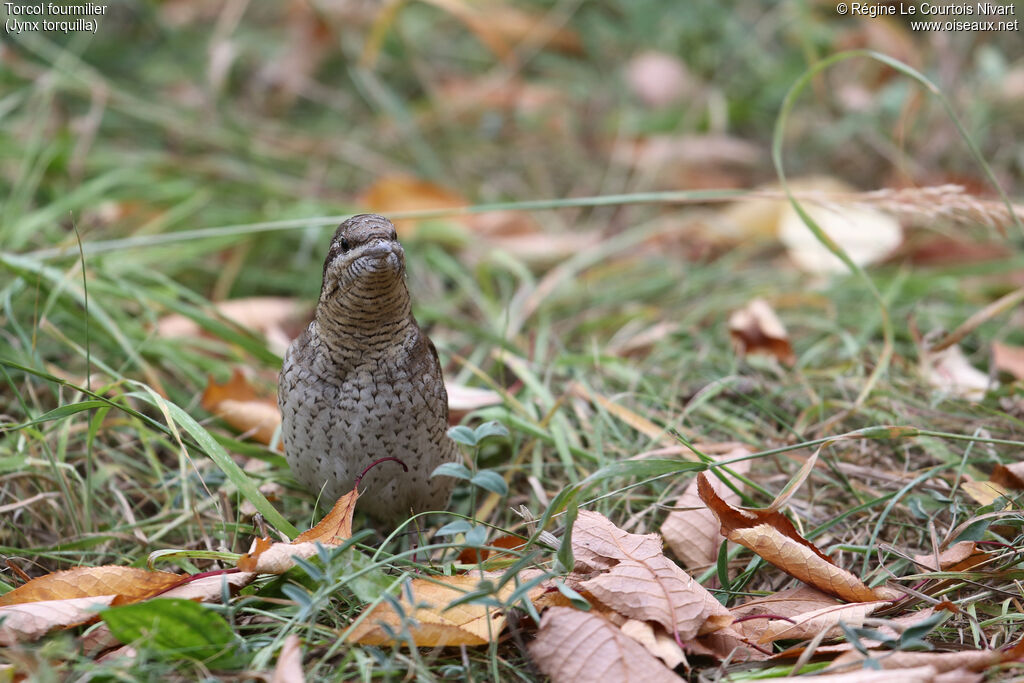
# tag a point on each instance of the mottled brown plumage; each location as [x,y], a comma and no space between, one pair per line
[363,382]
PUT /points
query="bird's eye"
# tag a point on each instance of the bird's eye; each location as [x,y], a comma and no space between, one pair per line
[394,235]
[344,244]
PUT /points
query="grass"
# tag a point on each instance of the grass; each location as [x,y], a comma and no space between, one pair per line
[184,192]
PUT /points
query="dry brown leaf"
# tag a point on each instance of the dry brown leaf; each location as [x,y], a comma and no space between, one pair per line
[335,528]
[695,535]
[400,193]
[810,624]
[433,625]
[728,644]
[289,662]
[1008,359]
[238,403]
[1009,476]
[656,641]
[21,622]
[658,79]
[922,674]
[503,28]
[950,372]
[977,660]
[128,584]
[788,603]
[581,647]
[772,536]
[958,557]
[755,329]
[638,581]
[278,319]
[984,492]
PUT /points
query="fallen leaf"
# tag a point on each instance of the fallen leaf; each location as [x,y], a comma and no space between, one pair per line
[810,624]
[1008,359]
[922,674]
[658,79]
[771,535]
[278,319]
[984,492]
[581,647]
[695,535]
[335,528]
[976,660]
[638,581]
[32,620]
[399,193]
[949,371]
[128,584]
[289,662]
[429,620]
[1009,476]
[956,558]
[755,329]
[239,404]
[866,235]
[657,642]
[463,400]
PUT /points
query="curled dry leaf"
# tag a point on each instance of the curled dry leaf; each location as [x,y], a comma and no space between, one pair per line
[238,403]
[958,557]
[755,329]
[695,535]
[583,647]
[32,620]
[977,660]
[789,603]
[921,674]
[335,528]
[949,371]
[637,580]
[771,536]
[429,620]
[656,641]
[810,624]
[70,597]
[128,584]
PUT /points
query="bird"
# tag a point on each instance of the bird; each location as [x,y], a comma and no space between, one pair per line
[364,382]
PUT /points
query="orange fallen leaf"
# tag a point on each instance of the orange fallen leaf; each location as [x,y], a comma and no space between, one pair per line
[755,329]
[71,597]
[695,535]
[1009,476]
[128,584]
[239,404]
[400,193]
[428,618]
[582,647]
[289,662]
[772,536]
[334,529]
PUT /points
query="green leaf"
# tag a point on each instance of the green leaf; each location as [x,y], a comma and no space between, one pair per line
[463,434]
[176,628]
[489,429]
[490,480]
[452,469]
[459,526]
[476,536]
[564,555]
[577,600]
